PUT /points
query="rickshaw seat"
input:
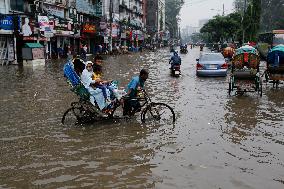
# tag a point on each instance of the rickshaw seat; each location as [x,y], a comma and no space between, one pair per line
[244,74]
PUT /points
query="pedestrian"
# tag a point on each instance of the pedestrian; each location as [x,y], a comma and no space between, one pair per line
[83,53]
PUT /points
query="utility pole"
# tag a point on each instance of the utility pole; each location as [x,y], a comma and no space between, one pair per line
[110,19]
[223,9]
[245,5]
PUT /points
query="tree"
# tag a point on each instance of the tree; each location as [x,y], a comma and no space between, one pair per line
[222,28]
[251,20]
[173,8]
[272,15]
[269,14]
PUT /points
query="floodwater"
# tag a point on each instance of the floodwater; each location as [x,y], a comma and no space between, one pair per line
[218,141]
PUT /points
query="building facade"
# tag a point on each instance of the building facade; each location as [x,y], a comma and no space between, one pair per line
[63,26]
[155,20]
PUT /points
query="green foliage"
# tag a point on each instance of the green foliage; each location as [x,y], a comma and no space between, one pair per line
[269,14]
[272,16]
[222,28]
[251,21]
[246,18]
[173,8]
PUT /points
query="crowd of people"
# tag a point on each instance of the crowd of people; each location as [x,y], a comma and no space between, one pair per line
[67,51]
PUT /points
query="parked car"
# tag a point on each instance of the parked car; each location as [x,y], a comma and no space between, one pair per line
[211,64]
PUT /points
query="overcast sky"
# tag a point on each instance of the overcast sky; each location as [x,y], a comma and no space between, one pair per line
[195,10]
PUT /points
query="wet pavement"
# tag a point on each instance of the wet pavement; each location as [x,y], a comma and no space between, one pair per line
[218,141]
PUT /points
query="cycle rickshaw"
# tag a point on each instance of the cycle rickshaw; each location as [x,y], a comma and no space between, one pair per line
[245,75]
[87,111]
[275,66]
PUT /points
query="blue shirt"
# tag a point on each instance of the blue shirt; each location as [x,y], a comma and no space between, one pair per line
[175,60]
[134,84]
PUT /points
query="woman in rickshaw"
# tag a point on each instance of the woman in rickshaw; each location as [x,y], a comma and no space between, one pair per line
[96,88]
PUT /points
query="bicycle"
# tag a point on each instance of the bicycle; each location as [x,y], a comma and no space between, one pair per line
[84,111]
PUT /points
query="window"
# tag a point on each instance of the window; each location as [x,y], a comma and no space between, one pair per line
[17,5]
[211,57]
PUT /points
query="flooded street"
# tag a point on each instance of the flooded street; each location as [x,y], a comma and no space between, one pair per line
[218,141]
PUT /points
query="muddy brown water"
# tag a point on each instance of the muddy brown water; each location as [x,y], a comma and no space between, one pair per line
[218,141]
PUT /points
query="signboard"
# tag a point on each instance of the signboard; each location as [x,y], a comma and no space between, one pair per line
[103,25]
[11,53]
[106,40]
[89,28]
[34,38]
[43,22]
[48,34]
[123,35]
[54,10]
[60,24]
[88,7]
[38,53]
[7,23]
[114,30]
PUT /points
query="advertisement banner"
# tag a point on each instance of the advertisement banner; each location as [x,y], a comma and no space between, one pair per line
[106,40]
[43,22]
[123,35]
[62,25]
[103,25]
[54,10]
[89,28]
[7,23]
[115,30]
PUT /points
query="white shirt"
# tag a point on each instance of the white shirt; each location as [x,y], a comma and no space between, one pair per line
[86,78]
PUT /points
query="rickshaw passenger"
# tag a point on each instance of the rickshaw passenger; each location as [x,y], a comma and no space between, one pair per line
[89,83]
[79,65]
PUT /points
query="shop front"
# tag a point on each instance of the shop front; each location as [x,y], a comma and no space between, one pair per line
[7,40]
[90,37]
[65,40]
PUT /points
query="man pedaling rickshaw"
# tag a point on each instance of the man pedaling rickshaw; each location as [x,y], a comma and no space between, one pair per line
[131,103]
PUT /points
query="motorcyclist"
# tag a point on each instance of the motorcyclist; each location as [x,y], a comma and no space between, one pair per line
[172,49]
[175,60]
[201,47]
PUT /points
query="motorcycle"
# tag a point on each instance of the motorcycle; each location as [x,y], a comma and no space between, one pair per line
[176,70]
[183,51]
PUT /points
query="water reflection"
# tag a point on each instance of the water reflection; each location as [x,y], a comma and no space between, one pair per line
[37,151]
[241,118]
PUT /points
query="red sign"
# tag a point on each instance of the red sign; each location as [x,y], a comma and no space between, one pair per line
[89,28]
[34,39]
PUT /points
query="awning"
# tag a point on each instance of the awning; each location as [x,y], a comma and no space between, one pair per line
[6,32]
[33,45]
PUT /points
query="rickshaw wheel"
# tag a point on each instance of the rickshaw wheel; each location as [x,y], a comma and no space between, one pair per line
[230,88]
[158,112]
[266,77]
[69,118]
